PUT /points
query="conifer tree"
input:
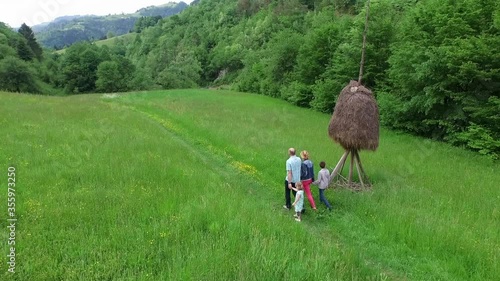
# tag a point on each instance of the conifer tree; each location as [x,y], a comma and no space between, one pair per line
[28,34]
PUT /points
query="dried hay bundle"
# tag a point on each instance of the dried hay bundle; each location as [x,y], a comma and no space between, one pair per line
[355,120]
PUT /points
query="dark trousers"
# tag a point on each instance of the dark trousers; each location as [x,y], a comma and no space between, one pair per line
[323,199]
[288,200]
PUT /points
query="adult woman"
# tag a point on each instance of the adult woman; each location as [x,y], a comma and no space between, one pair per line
[307,176]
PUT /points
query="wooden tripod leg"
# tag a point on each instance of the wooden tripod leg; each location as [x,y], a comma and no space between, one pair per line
[361,166]
[351,166]
[343,164]
[358,168]
[339,165]
[359,161]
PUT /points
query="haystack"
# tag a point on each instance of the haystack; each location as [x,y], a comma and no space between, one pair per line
[355,120]
[355,126]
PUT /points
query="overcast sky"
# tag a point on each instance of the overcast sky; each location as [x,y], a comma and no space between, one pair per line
[15,12]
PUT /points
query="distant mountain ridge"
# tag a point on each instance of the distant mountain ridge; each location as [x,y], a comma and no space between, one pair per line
[67,30]
[160,10]
[41,27]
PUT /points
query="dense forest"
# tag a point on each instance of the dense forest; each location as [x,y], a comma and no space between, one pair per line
[66,31]
[21,66]
[434,65]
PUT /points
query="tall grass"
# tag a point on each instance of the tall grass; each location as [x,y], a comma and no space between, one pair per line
[187,184]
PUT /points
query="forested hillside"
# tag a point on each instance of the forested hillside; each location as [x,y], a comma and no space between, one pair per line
[22,64]
[434,65]
[69,30]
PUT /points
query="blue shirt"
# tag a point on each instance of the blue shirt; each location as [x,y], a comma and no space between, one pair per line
[293,164]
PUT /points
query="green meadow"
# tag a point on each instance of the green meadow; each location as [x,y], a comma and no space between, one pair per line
[188,185]
[124,39]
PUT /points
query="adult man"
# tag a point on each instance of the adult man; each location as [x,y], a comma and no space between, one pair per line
[293,165]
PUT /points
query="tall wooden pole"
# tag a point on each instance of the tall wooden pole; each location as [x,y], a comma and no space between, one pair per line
[362,64]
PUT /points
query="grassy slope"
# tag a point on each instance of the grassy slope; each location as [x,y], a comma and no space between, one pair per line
[125,38]
[188,184]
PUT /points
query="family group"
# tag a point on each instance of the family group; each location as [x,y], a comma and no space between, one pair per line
[298,181]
